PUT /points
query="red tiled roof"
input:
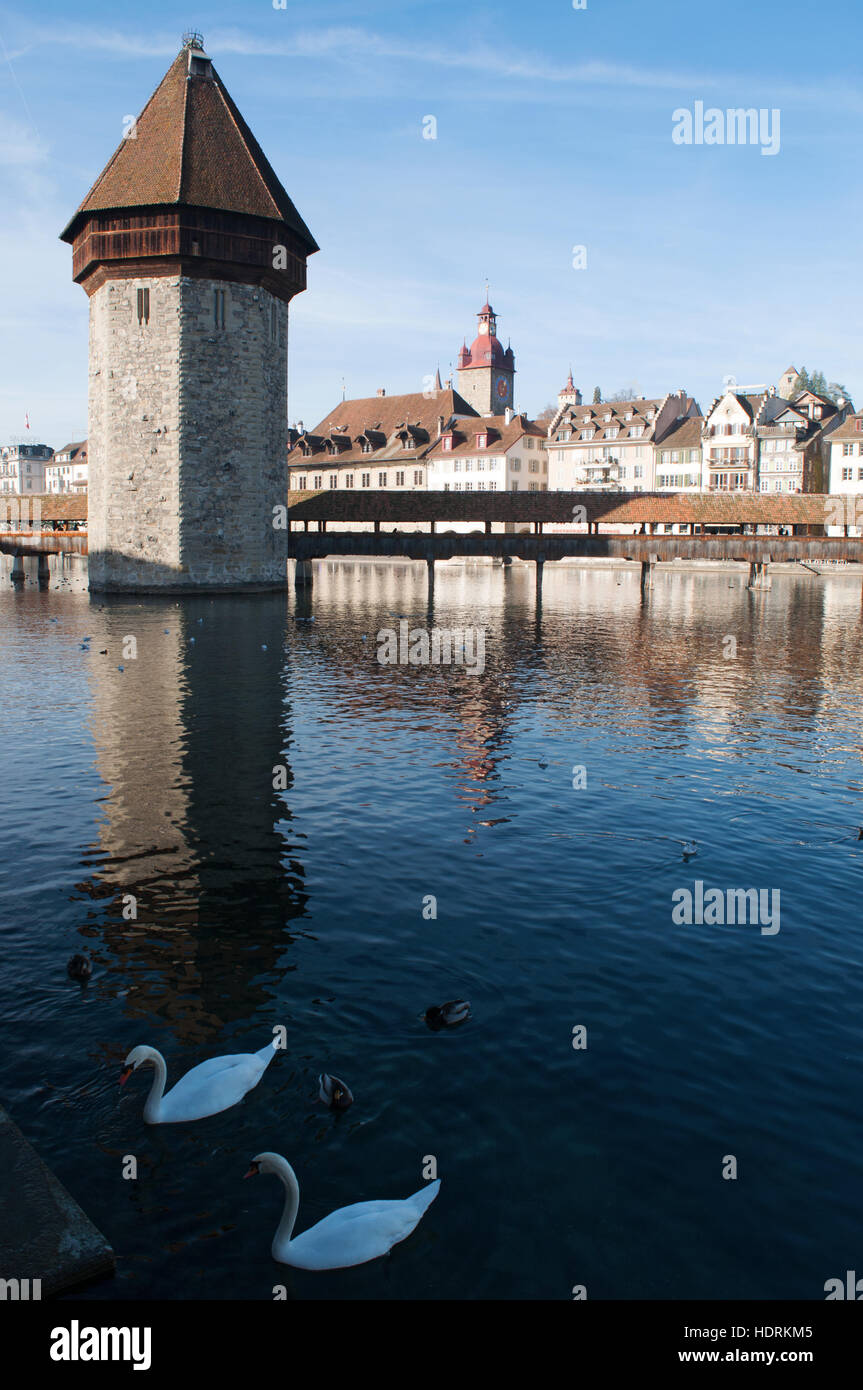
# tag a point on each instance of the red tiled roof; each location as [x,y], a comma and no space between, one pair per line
[500,435]
[192,147]
[382,417]
[848,429]
[613,509]
[684,434]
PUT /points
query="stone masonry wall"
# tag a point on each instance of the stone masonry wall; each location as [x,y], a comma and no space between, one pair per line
[188,436]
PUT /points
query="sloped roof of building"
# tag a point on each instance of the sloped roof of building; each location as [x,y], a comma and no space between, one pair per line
[192,147]
[851,428]
[684,434]
[501,436]
[77,451]
[380,418]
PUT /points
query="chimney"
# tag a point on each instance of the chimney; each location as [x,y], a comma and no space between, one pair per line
[381,391]
[439,426]
[507,415]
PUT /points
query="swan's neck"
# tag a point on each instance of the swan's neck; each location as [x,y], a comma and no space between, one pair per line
[288,1177]
[157,1090]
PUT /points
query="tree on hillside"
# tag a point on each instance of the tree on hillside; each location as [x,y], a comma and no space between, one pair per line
[817,382]
[597,396]
[836,392]
[546,415]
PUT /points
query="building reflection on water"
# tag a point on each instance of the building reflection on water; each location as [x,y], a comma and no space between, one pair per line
[189,737]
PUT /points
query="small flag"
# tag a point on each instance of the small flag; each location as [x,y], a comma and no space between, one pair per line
[27,421]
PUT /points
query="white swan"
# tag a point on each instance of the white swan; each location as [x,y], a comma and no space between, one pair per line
[350,1236]
[205,1090]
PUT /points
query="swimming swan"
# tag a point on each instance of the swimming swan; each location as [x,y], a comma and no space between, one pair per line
[350,1236]
[205,1090]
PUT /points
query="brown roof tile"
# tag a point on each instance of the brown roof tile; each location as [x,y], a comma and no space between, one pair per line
[384,415]
[501,435]
[684,434]
[716,509]
[192,147]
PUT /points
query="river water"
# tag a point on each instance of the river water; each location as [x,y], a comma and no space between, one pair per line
[296,898]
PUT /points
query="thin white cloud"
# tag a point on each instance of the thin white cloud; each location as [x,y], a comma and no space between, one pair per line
[19,143]
[348,44]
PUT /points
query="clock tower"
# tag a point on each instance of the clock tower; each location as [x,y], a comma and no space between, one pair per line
[486,372]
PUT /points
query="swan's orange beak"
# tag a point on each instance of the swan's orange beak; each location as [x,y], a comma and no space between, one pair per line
[253,1171]
[125,1074]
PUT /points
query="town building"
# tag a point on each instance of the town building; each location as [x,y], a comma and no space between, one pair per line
[68,471]
[22,467]
[678,457]
[569,394]
[794,441]
[844,473]
[489,454]
[190,251]
[612,445]
[486,371]
[376,442]
[730,440]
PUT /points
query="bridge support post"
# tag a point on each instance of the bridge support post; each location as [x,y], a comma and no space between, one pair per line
[430,573]
[17,575]
[647,569]
[303,574]
[759,575]
[540,565]
[44,573]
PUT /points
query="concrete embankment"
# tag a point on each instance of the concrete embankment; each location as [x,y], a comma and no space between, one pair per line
[44,1234]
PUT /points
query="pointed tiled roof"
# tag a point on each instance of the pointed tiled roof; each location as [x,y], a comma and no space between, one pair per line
[192,147]
[382,419]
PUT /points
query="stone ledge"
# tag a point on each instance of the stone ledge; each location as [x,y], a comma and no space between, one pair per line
[44,1234]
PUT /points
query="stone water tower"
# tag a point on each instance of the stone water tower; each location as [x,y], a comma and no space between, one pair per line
[190,251]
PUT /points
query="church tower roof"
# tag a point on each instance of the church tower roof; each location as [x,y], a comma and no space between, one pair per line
[191,148]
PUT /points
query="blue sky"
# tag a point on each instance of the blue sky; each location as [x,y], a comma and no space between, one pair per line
[553,130]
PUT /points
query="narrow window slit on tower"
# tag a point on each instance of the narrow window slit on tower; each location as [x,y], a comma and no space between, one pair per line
[143,307]
[219,307]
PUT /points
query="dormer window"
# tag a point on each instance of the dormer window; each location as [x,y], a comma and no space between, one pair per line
[446,443]
[482,441]
[607,416]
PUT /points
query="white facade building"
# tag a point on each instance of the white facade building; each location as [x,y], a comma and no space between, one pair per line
[68,471]
[490,453]
[612,445]
[22,467]
[845,474]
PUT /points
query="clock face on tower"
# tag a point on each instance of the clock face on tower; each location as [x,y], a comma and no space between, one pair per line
[501,387]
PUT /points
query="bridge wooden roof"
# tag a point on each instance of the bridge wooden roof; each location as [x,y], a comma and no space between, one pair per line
[55,506]
[612,509]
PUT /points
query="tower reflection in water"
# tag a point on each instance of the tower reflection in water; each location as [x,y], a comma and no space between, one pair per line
[192,740]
